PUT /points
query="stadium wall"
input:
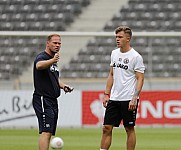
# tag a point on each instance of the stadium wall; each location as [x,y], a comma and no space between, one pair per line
[84,108]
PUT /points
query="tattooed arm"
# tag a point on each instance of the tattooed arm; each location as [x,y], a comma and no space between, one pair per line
[139,85]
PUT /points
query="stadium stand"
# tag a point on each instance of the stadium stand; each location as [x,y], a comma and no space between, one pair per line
[31,15]
[23,15]
[147,15]
[93,60]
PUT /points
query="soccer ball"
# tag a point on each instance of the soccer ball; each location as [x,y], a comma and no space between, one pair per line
[56,143]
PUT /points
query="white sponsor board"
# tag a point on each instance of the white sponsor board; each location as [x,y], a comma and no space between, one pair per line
[16,109]
[70,109]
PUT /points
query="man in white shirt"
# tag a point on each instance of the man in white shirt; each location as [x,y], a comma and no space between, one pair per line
[124,85]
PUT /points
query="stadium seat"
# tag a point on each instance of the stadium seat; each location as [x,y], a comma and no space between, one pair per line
[149,15]
[31,15]
[92,60]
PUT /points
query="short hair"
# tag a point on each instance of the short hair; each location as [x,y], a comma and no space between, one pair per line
[51,35]
[126,29]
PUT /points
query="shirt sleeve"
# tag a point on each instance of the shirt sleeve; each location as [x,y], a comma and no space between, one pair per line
[139,65]
[111,64]
[39,58]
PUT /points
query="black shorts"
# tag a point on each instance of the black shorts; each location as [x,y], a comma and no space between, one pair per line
[46,110]
[116,111]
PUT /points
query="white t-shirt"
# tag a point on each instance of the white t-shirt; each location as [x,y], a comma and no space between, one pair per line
[124,79]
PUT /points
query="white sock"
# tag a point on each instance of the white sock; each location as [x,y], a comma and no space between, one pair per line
[103,149]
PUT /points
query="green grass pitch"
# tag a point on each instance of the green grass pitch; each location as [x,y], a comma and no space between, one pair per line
[89,139]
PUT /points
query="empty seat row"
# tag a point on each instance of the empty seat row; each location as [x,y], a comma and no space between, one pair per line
[41,15]
[161,55]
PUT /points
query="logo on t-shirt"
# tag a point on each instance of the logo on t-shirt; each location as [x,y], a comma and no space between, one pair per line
[121,65]
[126,61]
[54,68]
